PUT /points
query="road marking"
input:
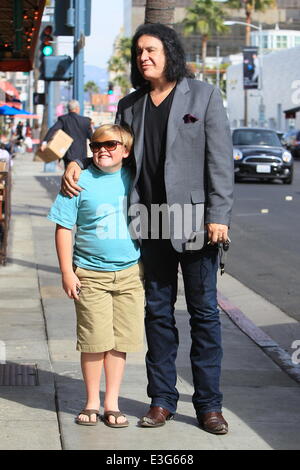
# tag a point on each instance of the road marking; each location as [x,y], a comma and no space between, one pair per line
[248,214]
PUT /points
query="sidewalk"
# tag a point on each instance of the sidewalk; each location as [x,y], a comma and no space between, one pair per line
[37,324]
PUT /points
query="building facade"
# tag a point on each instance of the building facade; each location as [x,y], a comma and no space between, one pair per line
[273,39]
[280,92]
[286,15]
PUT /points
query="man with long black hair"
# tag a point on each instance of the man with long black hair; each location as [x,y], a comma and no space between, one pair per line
[183,157]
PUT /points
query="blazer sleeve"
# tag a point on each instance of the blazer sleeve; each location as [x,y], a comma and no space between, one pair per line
[118,119]
[219,162]
[90,130]
[58,125]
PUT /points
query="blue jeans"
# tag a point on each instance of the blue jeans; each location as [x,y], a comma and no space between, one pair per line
[199,270]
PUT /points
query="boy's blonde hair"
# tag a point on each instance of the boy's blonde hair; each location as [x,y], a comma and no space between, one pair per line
[124,134]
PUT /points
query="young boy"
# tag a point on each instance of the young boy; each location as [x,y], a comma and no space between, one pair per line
[103,276]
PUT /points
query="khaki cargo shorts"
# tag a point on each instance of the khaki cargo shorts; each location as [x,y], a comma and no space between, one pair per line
[110,310]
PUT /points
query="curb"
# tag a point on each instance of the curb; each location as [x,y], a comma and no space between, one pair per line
[259,337]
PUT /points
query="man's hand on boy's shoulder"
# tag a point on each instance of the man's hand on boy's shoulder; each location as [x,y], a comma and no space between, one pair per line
[69,180]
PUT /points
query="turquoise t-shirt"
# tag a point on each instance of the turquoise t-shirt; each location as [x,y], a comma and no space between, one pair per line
[102,239]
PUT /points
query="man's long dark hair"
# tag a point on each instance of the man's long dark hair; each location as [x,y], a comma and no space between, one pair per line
[176,67]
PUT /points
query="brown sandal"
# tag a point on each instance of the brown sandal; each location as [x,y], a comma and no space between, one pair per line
[88,413]
[116,415]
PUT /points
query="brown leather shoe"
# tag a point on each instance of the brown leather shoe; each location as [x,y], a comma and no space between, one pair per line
[213,422]
[156,416]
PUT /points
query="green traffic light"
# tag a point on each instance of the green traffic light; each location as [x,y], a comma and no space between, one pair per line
[110,92]
[47,50]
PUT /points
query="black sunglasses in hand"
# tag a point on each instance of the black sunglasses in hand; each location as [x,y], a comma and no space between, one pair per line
[108,145]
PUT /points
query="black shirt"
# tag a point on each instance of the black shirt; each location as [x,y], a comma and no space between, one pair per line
[151,184]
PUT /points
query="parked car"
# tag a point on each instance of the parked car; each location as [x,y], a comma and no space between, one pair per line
[281,137]
[292,142]
[259,153]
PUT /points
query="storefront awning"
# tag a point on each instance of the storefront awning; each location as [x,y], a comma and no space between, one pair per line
[291,113]
[9,89]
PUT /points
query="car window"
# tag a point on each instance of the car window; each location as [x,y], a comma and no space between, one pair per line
[255,137]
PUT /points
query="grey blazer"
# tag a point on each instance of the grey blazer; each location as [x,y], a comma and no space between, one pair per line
[199,162]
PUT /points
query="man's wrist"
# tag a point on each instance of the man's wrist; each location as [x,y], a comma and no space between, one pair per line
[79,163]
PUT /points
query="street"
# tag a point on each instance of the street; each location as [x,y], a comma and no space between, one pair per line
[264,253]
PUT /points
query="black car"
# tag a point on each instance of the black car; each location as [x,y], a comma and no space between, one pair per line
[259,153]
[292,142]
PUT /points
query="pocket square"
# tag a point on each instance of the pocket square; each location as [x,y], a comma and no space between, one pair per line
[189,118]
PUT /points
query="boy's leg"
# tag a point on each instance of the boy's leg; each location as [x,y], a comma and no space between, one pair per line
[128,315]
[114,364]
[91,365]
[94,330]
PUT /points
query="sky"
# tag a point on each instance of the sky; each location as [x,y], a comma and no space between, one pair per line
[106,21]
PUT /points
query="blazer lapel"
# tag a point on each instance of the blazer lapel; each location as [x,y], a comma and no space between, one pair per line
[138,129]
[177,112]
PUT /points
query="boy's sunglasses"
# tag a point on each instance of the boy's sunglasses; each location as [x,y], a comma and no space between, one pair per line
[108,145]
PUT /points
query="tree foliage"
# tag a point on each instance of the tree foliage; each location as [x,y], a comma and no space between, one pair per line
[251,6]
[119,63]
[204,17]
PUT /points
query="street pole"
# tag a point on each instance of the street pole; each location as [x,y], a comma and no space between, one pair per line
[50,102]
[218,66]
[260,78]
[245,107]
[260,85]
[49,93]
[249,25]
[49,89]
[79,53]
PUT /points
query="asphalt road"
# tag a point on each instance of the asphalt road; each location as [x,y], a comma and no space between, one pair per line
[265,235]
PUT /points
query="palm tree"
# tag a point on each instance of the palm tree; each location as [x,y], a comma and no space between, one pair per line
[91,87]
[119,63]
[250,6]
[124,49]
[116,64]
[204,17]
[160,11]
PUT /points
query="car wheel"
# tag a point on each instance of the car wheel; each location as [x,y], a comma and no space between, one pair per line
[288,180]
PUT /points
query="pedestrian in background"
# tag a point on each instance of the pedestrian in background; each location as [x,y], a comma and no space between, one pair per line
[183,157]
[20,132]
[4,154]
[35,136]
[28,137]
[76,126]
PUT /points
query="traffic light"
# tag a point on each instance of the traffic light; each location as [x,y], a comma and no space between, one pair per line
[110,90]
[38,98]
[46,47]
[47,41]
